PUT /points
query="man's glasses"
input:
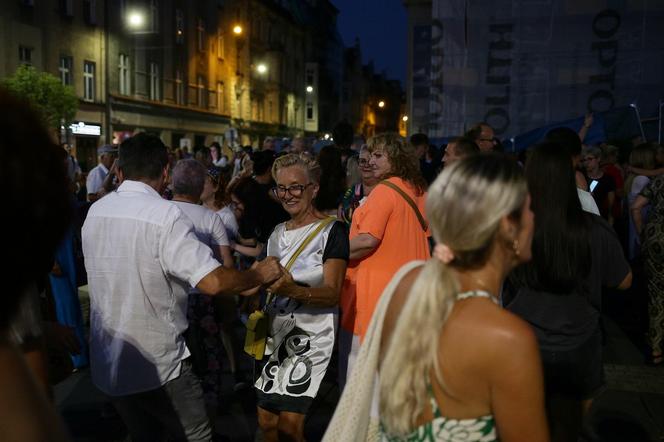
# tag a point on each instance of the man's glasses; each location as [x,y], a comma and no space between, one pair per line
[293,190]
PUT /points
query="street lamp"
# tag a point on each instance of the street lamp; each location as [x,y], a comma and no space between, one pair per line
[404,118]
[381,104]
[237,30]
[310,89]
[135,19]
[261,68]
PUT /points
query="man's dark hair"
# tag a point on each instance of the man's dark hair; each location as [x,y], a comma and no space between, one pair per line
[36,200]
[142,156]
[474,132]
[566,138]
[465,146]
[343,134]
[263,160]
[419,139]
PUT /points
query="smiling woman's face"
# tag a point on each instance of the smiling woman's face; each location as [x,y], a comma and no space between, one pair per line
[295,190]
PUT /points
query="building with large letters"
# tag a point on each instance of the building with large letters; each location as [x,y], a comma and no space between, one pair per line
[520,65]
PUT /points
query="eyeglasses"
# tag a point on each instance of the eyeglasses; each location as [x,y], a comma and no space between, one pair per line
[293,190]
[363,162]
[488,140]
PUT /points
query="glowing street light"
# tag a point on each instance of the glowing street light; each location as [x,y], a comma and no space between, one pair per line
[237,29]
[261,68]
[404,118]
[381,104]
[327,136]
[135,19]
[310,89]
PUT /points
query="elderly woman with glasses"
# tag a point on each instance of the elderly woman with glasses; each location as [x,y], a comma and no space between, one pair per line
[302,305]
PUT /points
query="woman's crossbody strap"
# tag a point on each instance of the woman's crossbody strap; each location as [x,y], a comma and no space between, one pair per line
[307,240]
[302,246]
[410,202]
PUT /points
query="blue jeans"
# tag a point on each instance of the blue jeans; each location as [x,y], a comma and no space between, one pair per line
[176,410]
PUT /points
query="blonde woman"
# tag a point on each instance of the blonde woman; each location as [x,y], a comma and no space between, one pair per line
[302,305]
[455,366]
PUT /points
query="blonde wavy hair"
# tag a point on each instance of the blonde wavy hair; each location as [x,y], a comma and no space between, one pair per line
[464,206]
[305,161]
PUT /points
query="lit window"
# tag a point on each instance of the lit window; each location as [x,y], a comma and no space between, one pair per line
[123,68]
[154,82]
[221,50]
[65,70]
[200,32]
[220,96]
[179,88]
[89,80]
[25,55]
[154,15]
[201,90]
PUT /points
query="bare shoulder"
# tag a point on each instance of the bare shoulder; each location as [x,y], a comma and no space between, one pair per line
[495,332]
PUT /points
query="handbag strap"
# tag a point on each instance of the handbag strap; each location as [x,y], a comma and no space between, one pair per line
[410,202]
[321,225]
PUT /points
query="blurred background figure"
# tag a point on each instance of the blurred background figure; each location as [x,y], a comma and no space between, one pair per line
[35,180]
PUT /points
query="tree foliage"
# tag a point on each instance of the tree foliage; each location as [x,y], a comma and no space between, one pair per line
[55,101]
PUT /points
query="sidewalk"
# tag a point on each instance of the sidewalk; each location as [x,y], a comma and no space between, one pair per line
[632,407]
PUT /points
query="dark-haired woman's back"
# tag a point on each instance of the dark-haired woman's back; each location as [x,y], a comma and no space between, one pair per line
[559,292]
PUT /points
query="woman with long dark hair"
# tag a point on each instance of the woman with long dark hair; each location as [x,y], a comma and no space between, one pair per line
[559,292]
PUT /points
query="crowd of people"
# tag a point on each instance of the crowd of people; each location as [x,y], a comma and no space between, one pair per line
[455,291]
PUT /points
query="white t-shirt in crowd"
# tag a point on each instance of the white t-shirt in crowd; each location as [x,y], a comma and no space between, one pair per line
[230,222]
[208,226]
[96,178]
[141,256]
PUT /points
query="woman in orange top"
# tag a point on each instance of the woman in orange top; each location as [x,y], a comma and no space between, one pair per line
[389,229]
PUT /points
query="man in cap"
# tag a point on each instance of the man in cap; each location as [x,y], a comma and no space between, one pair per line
[96,177]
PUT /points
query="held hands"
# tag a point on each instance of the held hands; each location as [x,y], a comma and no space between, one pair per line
[268,270]
[284,286]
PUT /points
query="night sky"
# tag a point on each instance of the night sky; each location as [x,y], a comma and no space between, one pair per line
[382,28]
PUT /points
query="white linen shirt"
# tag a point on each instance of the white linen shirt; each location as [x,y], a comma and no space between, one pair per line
[96,178]
[141,256]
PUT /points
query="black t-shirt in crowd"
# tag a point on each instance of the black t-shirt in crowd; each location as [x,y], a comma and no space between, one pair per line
[565,321]
[600,189]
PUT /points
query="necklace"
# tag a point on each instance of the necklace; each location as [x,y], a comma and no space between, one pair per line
[485,292]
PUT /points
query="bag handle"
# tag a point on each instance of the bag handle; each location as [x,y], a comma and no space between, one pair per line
[410,202]
[321,225]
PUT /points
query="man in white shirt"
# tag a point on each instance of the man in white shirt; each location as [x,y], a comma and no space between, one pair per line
[141,256]
[95,181]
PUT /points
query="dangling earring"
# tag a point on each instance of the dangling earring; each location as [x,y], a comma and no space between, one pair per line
[515,247]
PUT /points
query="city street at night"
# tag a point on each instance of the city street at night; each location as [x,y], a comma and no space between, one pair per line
[332,220]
